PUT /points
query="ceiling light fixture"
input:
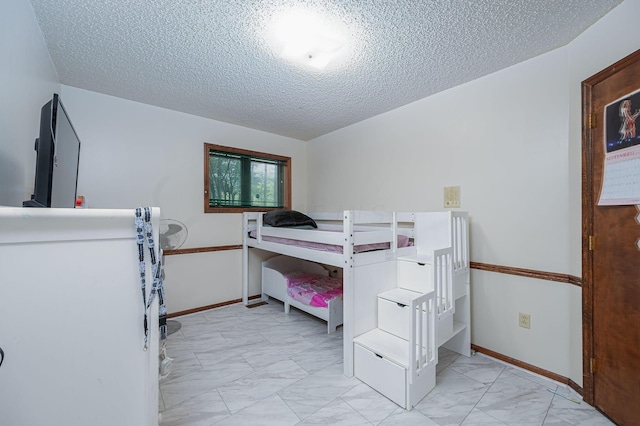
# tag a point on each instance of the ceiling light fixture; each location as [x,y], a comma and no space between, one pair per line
[308,39]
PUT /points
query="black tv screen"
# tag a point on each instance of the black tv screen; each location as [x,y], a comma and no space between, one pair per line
[57,156]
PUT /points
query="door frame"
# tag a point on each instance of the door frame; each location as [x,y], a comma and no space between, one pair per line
[591,122]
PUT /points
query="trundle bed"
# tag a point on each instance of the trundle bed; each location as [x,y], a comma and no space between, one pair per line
[304,285]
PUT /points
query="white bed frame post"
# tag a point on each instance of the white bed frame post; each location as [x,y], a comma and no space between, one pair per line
[348,294]
[461,343]
[246,218]
[394,239]
[245,259]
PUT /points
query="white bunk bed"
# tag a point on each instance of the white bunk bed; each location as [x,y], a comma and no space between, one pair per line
[338,241]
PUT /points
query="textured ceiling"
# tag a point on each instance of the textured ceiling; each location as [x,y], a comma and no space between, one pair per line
[214,58]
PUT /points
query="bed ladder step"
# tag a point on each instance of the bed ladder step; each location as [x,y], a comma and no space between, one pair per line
[386,345]
[394,360]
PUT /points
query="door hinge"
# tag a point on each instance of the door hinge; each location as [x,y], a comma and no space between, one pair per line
[593,365]
[592,121]
[592,243]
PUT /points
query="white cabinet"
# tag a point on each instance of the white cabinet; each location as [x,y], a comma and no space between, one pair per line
[71,320]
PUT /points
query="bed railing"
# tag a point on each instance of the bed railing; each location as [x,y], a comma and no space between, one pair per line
[344,229]
[443,281]
[347,229]
[422,343]
[460,241]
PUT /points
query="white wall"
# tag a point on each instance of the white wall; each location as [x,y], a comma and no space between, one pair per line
[612,38]
[27,81]
[511,140]
[487,137]
[481,136]
[134,154]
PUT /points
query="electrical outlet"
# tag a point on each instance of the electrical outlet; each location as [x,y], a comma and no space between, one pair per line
[524,320]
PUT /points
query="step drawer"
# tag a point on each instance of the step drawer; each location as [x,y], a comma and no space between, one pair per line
[381,374]
[415,276]
[394,318]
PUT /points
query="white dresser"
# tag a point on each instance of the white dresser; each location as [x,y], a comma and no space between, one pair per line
[71,320]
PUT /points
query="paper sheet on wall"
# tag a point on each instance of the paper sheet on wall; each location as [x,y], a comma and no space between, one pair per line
[621,180]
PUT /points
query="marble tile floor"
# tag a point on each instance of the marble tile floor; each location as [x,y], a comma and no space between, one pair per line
[258,366]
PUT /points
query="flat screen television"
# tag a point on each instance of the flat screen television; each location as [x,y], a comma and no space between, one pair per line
[57,155]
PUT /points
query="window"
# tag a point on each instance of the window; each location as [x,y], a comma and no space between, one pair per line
[237,180]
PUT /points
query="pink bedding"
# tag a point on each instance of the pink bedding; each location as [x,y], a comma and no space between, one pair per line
[403,241]
[313,289]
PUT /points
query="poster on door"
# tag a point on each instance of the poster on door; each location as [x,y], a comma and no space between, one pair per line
[621,180]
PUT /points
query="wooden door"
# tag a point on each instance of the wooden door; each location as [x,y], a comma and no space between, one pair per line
[611,263]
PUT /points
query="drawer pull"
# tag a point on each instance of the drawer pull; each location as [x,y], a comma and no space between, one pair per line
[379,356]
[401,305]
[421,264]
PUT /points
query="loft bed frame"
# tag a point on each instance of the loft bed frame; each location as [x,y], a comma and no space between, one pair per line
[365,274]
[342,233]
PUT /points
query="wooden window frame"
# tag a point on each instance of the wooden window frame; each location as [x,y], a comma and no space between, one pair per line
[208,147]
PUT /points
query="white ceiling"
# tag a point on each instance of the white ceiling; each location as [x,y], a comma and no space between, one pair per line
[213,58]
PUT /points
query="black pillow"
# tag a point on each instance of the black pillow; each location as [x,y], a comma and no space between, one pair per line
[287,218]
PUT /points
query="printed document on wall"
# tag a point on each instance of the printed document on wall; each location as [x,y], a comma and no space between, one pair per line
[621,180]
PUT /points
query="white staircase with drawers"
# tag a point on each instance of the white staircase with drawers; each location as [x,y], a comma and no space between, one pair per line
[399,357]
[429,308]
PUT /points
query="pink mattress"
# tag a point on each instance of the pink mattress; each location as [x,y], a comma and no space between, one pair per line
[403,241]
[313,289]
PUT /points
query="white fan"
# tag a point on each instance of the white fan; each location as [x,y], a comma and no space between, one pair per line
[173,234]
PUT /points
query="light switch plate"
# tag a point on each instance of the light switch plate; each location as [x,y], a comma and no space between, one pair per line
[451,196]
[524,320]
